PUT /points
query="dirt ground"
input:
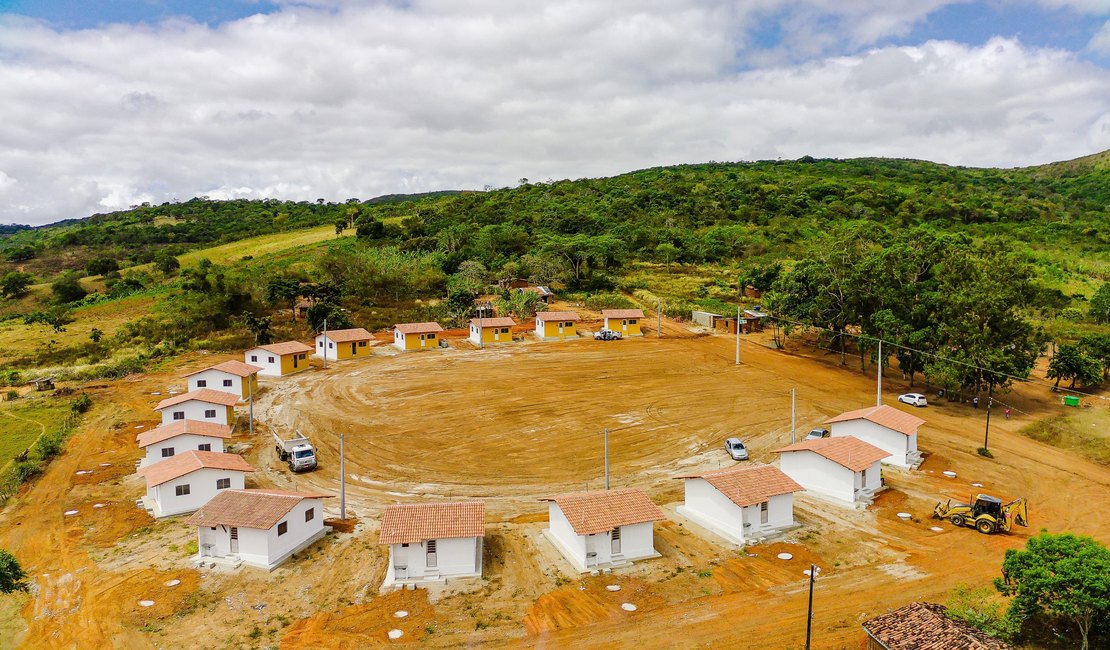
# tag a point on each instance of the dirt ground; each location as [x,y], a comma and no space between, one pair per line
[508,425]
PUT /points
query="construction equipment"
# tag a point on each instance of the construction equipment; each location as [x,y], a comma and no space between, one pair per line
[985,513]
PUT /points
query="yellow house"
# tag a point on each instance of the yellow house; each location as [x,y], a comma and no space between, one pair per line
[556,325]
[343,344]
[416,336]
[491,330]
[279,359]
[233,377]
[625,321]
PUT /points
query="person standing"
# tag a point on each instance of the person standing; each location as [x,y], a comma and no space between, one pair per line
[975,402]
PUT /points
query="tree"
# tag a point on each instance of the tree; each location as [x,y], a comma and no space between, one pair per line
[1097,346]
[1065,576]
[1071,362]
[56,317]
[340,226]
[369,228]
[979,607]
[258,326]
[522,304]
[67,288]
[283,290]
[16,284]
[335,315]
[95,334]
[471,277]
[12,576]
[166,262]
[1099,307]
[101,266]
[667,253]
[21,254]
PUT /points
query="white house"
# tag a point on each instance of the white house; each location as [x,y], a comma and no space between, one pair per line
[279,359]
[260,528]
[180,436]
[432,542]
[204,405]
[491,330]
[603,528]
[189,480]
[235,377]
[885,427]
[416,336]
[741,503]
[845,468]
[340,345]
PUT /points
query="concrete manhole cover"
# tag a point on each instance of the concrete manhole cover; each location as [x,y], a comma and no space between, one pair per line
[936,529]
[785,556]
[396,634]
[904,515]
[976,485]
[400,613]
[950,474]
[156,393]
[70,513]
[140,426]
[105,464]
[146,603]
[82,472]
[613,587]
[99,505]
[172,583]
[628,607]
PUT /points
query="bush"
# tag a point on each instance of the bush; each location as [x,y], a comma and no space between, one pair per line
[68,289]
[1072,314]
[986,453]
[81,404]
[12,396]
[600,301]
[12,576]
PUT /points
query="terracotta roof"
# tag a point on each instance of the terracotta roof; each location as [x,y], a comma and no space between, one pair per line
[201,395]
[749,485]
[597,512]
[282,349]
[237,368]
[926,626]
[622,313]
[498,321]
[557,315]
[346,336]
[884,415]
[417,328]
[182,464]
[416,522]
[261,509]
[180,428]
[849,451]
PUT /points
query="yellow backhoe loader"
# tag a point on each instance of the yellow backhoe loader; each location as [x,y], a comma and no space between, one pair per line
[985,513]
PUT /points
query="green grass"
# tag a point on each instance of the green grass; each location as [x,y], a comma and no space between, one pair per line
[257,246]
[24,420]
[1084,430]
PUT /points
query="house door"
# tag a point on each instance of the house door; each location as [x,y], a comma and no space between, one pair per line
[624,326]
[763,513]
[423,342]
[234,539]
[433,561]
[295,358]
[616,541]
[352,349]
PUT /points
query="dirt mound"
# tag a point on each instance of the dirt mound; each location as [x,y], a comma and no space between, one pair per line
[366,625]
[590,602]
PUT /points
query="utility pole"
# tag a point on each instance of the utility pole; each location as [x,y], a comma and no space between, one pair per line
[606,458]
[480,332]
[659,319]
[990,402]
[793,438]
[809,616]
[738,335]
[879,380]
[325,344]
[250,393]
[342,481]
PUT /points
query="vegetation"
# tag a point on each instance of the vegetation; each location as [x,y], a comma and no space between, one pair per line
[981,608]
[12,576]
[33,461]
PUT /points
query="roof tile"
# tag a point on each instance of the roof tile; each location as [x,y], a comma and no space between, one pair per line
[848,451]
[622,313]
[884,415]
[261,509]
[346,336]
[498,321]
[926,626]
[557,315]
[191,461]
[183,427]
[749,485]
[417,328]
[417,522]
[201,395]
[282,349]
[602,510]
[237,368]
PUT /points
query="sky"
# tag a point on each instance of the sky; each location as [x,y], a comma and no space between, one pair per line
[104,105]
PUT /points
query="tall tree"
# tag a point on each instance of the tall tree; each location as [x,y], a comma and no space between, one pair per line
[1071,362]
[12,576]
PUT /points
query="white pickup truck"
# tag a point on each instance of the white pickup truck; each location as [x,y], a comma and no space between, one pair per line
[298,451]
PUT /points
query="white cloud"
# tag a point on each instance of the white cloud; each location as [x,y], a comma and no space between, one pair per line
[1100,42]
[363,100]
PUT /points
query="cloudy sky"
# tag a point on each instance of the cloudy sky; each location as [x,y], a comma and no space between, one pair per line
[108,104]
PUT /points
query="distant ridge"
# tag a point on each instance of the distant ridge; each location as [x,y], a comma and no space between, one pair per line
[1094,162]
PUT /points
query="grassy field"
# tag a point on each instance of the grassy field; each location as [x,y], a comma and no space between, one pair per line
[23,421]
[18,339]
[257,246]
[1084,430]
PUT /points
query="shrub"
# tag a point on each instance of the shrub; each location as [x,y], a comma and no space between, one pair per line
[81,404]
[12,576]
[600,301]
[12,395]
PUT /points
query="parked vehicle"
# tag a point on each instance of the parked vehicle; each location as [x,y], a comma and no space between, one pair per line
[817,434]
[607,335]
[913,399]
[736,449]
[297,451]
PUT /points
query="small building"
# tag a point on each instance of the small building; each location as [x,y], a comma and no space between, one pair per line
[753,320]
[180,436]
[343,344]
[885,427]
[846,468]
[751,292]
[545,293]
[926,626]
[416,336]
[705,318]
[279,359]
[433,542]
[603,528]
[556,325]
[260,528]
[741,503]
[233,377]
[491,330]
[189,480]
[625,321]
[203,405]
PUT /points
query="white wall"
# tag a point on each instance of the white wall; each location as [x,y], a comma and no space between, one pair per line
[871,479]
[265,548]
[398,339]
[299,529]
[202,487]
[180,444]
[195,410]
[214,380]
[561,529]
[638,540]
[886,439]
[819,474]
[455,556]
[707,502]
[268,361]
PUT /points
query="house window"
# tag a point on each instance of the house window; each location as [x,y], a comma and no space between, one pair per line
[167,452]
[254,357]
[181,490]
[504,330]
[269,359]
[227,383]
[431,337]
[202,383]
[310,514]
[362,344]
[763,514]
[209,413]
[632,321]
[330,345]
[223,483]
[207,446]
[179,415]
[405,545]
[319,344]
[283,528]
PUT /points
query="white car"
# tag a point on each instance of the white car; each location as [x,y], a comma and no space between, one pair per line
[913,399]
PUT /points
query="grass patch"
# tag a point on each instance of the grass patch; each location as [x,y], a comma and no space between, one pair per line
[24,421]
[257,246]
[1085,431]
